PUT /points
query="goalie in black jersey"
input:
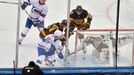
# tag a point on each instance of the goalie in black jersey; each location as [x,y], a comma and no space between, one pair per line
[101,45]
[52,28]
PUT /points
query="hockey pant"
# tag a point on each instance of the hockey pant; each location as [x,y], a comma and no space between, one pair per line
[29,24]
[49,56]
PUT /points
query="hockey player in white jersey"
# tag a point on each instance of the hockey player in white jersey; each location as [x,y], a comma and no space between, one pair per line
[36,16]
[48,46]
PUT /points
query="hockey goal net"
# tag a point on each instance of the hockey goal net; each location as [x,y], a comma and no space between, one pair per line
[97,47]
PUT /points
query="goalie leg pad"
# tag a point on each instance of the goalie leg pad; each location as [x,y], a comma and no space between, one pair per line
[104,55]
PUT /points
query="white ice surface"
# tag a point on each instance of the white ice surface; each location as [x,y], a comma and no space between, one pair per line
[104,17]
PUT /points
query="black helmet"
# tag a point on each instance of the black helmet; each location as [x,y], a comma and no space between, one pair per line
[64,22]
[79,9]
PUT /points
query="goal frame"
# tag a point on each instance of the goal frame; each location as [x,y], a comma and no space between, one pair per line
[104,30]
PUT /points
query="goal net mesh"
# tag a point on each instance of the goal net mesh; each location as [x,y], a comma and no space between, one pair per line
[97,47]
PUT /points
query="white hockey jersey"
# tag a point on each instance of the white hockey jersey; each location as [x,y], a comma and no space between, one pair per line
[37,9]
[48,41]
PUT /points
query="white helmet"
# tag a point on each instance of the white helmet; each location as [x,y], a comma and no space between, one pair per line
[57,33]
[49,38]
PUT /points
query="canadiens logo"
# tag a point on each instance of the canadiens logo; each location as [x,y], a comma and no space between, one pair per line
[36,11]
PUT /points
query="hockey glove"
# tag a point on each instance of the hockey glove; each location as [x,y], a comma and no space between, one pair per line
[36,23]
[87,25]
[24,5]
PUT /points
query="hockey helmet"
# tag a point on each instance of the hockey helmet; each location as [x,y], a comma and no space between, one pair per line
[79,9]
[49,38]
[64,22]
[58,33]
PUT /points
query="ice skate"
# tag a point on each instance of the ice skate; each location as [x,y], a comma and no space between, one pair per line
[20,41]
[39,62]
[50,64]
[21,38]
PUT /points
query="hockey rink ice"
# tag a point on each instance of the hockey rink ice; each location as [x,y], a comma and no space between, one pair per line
[104,17]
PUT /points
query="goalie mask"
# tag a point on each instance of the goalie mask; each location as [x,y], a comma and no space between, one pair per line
[79,9]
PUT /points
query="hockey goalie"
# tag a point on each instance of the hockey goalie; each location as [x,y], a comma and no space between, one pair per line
[48,47]
[101,45]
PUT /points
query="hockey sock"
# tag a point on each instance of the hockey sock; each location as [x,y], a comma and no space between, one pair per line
[26,31]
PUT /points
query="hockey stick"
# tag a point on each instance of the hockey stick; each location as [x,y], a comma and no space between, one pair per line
[74,52]
[29,15]
[33,19]
[67,49]
[70,55]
